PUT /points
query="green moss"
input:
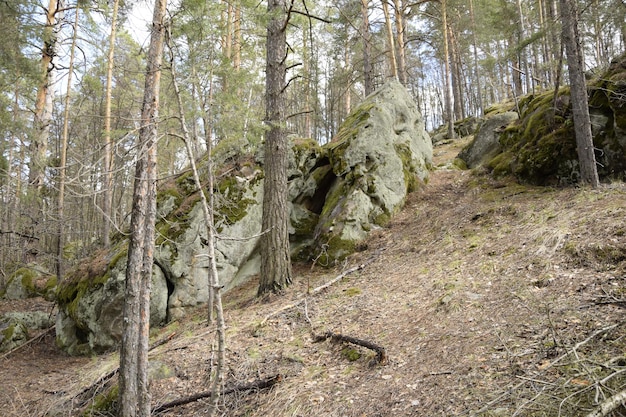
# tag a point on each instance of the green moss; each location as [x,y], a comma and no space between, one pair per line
[27,277]
[351,354]
[305,226]
[353,124]
[382,219]
[409,168]
[459,163]
[104,404]
[88,275]
[353,291]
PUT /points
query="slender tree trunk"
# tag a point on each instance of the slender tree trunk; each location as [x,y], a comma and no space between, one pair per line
[134,389]
[63,156]
[207,211]
[449,117]
[346,89]
[43,104]
[368,81]
[477,74]
[107,206]
[392,44]
[275,256]
[237,37]
[401,55]
[580,105]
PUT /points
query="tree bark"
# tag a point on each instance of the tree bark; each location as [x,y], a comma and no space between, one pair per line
[275,256]
[108,143]
[392,44]
[477,75]
[448,117]
[368,81]
[63,156]
[401,55]
[578,88]
[134,393]
[43,104]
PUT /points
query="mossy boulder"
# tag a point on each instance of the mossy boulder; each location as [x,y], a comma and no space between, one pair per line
[380,153]
[12,334]
[91,300]
[337,194]
[486,142]
[541,147]
[30,281]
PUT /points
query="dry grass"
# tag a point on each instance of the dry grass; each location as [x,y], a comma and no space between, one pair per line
[479,291]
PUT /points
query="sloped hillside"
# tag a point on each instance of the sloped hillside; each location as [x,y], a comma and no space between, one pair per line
[490,298]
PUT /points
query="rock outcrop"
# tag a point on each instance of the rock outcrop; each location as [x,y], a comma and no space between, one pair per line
[540,148]
[486,143]
[338,193]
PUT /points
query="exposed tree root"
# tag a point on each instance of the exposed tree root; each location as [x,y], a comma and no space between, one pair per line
[255,385]
[381,354]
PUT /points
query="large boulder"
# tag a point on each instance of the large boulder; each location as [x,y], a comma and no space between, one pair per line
[337,194]
[28,282]
[486,142]
[91,300]
[540,148]
[380,153]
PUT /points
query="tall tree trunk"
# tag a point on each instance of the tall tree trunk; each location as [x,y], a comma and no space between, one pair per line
[523,54]
[43,103]
[456,74]
[578,87]
[237,37]
[368,75]
[448,117]
[477,75]
[134,392]
[392,44]
[207,211]
[401,55]
[275,256]
[107,205]
[63,156]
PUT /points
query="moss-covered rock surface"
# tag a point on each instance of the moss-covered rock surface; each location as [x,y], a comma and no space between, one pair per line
[540,148]
[338,193]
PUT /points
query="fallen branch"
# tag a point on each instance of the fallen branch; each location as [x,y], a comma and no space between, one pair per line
[381,354]
[321,288]
[255,385]
[610,405]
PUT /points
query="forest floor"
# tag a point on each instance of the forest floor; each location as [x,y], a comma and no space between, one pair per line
[489,297]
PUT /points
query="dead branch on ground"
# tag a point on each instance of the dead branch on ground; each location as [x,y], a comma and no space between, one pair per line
[253,386]
[610,405]
[381,354]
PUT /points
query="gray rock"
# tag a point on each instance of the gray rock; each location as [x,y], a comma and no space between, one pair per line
[338,193]
[381,153]
[12,334]
[92,320]
[30,319]
[486,143]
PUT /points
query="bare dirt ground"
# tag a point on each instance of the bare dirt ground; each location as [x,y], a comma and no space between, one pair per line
[490,298]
